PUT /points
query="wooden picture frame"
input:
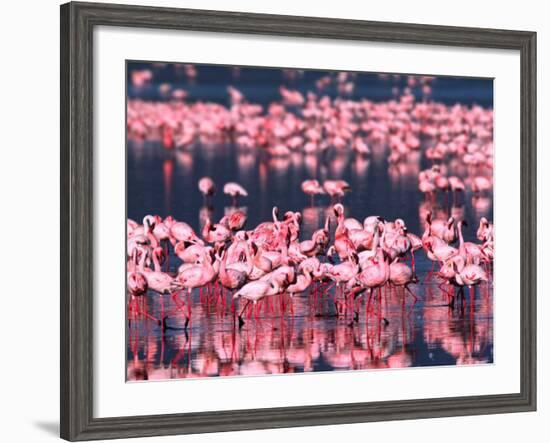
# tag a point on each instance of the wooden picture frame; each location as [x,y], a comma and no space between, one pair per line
[77,23]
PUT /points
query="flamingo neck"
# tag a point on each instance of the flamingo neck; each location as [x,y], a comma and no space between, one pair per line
[376,239]
[460,237]
[223,261]
[156,263]
[249,260]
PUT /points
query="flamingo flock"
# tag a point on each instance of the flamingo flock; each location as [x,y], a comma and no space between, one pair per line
[273,259]
[456,139]
[332,260]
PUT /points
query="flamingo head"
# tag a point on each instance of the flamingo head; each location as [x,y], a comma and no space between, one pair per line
[338,209]
[289,216]
[450,222]
[399,223]
[149,223]
[241,236]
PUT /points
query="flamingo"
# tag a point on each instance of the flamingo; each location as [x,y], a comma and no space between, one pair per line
[215,233]
[312,188]
[158,281]
[254,292]
[207,187]
[181,231]
[373,276]
[342,244]
[230,278]
[235,221]
[485,230]
[402,275]
[336,188]
[470,251]
[196,276]
[234,190]
[303,281]
[481,184]
[439,250]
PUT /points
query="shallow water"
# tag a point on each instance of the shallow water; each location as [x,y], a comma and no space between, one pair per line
[313,338]
[303,333]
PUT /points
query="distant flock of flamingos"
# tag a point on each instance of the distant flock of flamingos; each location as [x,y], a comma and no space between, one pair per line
[355,258]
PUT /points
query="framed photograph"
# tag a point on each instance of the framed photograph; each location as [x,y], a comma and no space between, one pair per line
[274,221]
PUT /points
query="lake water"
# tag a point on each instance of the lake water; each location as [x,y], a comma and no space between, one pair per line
[302,334]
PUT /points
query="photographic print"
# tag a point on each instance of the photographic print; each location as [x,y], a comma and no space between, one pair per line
[285,221]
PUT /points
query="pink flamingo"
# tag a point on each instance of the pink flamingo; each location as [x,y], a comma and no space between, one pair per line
[439,250]
[342,244]
[189,254]
[481,184]
[254,292]
[485,230]
[374,275]
[158,281]
[402,275]
[196,276]
[215,233]
[303,281]
[470,251]
[235,191]
[336,188]
[312,188]
[230,278]
[235,221]
[456,185]
[181,231]
[207,187]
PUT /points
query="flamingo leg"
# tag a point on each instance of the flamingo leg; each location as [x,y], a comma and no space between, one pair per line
[411,293]
[243,309]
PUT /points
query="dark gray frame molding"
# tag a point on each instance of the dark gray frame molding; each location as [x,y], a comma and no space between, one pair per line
[77,23]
